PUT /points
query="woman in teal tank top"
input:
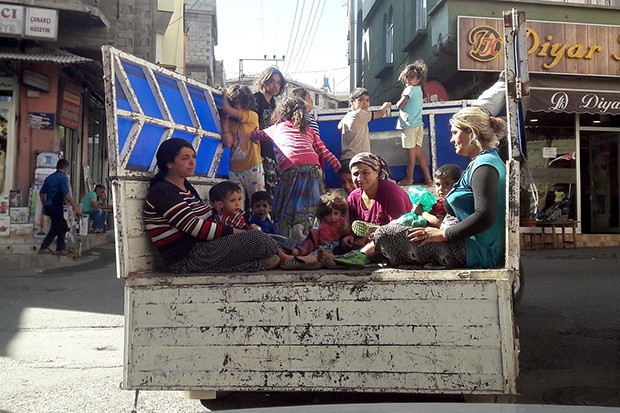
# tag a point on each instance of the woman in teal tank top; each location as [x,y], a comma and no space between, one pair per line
[478,201]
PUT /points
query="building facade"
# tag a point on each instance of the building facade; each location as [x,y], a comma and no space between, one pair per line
[51,86]
[573,117]
[201,29]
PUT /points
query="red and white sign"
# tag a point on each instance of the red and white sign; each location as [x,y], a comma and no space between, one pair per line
[41,23]
[70,109]
[11,20]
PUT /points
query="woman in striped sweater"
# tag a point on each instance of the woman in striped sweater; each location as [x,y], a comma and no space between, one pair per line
[181,227]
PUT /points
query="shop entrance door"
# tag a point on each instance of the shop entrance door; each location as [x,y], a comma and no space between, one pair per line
[71,148]
[604,183]
[7,147]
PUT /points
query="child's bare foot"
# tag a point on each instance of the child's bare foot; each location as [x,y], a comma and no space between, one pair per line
[405,182]
[323,255]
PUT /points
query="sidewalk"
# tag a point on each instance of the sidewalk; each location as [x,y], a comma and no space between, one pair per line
[33,263]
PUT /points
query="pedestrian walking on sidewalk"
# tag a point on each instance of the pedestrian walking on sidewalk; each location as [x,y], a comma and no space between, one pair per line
[54,192]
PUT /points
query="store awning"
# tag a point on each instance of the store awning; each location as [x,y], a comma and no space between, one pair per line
[57,56]
[575,95]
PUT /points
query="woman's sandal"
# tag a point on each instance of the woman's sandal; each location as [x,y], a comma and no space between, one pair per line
[45,251]
[363,229]
[297,263]
[331,264]
[272,262]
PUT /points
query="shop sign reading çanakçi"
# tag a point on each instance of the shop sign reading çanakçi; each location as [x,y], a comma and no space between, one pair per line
[31,22]
[41,23]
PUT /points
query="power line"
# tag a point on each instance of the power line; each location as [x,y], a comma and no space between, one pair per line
[324,70]
[183,13]
[300,48]
[311,41]
[290,37]
[262,24]
[287,64]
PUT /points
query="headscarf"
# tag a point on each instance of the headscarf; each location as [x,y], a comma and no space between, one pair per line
[166,153]
[375,162]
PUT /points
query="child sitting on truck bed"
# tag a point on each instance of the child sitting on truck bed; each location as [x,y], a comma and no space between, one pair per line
[333,226]
[261,208]
[227,198]
[445,177]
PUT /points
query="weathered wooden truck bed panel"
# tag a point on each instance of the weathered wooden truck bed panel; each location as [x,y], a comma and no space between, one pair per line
[383,331]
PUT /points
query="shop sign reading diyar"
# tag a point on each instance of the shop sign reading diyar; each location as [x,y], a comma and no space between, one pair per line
[552,47]
[575,101]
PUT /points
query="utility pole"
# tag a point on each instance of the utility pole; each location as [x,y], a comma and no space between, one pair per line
[265,59]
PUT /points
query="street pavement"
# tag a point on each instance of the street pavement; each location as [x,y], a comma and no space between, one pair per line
[61,339]
[570,327]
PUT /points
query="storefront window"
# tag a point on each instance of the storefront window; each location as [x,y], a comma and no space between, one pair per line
[552,163]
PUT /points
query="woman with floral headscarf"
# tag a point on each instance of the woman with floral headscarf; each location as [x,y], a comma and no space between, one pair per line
[377,199]
[477,200]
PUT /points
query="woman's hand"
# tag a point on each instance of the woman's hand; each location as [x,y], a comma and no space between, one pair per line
[425,235]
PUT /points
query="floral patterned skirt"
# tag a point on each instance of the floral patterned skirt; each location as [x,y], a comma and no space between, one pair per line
[296,200]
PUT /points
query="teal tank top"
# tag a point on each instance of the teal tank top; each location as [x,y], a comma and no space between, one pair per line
[487,249]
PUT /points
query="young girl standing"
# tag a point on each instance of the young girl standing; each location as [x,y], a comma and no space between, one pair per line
[245,168]
[410,119]
[299,150]
[270,84]
[302,93]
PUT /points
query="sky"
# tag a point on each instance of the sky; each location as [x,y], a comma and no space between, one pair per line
[310,34]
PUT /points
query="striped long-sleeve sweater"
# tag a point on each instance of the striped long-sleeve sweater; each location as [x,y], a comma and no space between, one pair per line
[295,148]
[176,220]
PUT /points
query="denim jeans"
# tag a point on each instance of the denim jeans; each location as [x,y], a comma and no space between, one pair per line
[99,217]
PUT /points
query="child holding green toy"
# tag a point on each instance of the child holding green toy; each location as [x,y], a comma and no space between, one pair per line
[428,210]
